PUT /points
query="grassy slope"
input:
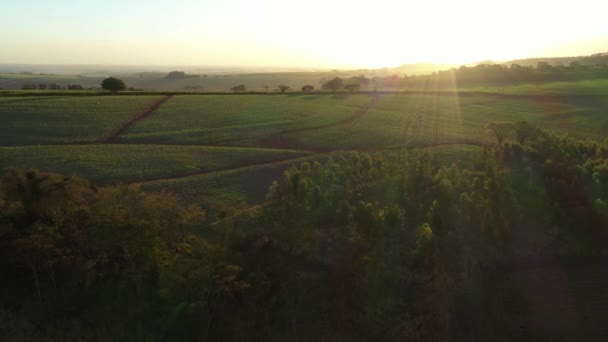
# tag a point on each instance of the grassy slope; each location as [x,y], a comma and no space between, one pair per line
[105,164]
[239,120]
[51,120]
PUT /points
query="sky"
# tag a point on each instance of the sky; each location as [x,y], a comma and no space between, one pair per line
[307,33]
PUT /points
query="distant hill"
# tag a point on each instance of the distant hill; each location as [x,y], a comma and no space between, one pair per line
[595,59]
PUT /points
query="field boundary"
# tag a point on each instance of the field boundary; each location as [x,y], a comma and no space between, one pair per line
[113,136]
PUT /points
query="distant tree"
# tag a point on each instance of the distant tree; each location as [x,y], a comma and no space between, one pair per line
[352,87]
[176,74]
[333,84]
[525,131]
[361,80]
[75,87]
[308,88]
[42,86]
[239,88]
[375,84]
[283,88]
[113,84]
[54,86]
[29,86]
[544,67]
[179,75]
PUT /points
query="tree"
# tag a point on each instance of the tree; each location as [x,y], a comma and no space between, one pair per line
[113,84]
[308,88]
[283,88]
[176,75]
[333,84]
[524,131]
[238,88]
[544,67]
[77,241]
[351,87]
[500,130]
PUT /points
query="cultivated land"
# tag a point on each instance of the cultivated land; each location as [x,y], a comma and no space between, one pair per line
[243,120]
[218,149]
[60,120]
[224,151]
[104,164]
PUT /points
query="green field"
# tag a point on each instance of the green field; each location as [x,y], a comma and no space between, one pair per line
[240,120]
[57,120]
[583,87]
[396,121]
[332,122]
[215,149]
[105,164]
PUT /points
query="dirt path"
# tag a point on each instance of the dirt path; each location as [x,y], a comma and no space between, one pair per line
[278,162]
[113,136]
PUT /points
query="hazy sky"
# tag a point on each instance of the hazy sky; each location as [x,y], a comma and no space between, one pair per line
[316,33]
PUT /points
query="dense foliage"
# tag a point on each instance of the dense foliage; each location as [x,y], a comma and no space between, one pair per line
[113,84]
[388,246]
[500,74]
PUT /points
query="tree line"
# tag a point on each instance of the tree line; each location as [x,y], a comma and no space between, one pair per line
[51,86]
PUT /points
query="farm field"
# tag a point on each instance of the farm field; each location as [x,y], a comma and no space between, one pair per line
[104,164]
[329,122]
[59,120]
[364,122]
[223,152]
[239,120]
[564,88]
[215,149]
